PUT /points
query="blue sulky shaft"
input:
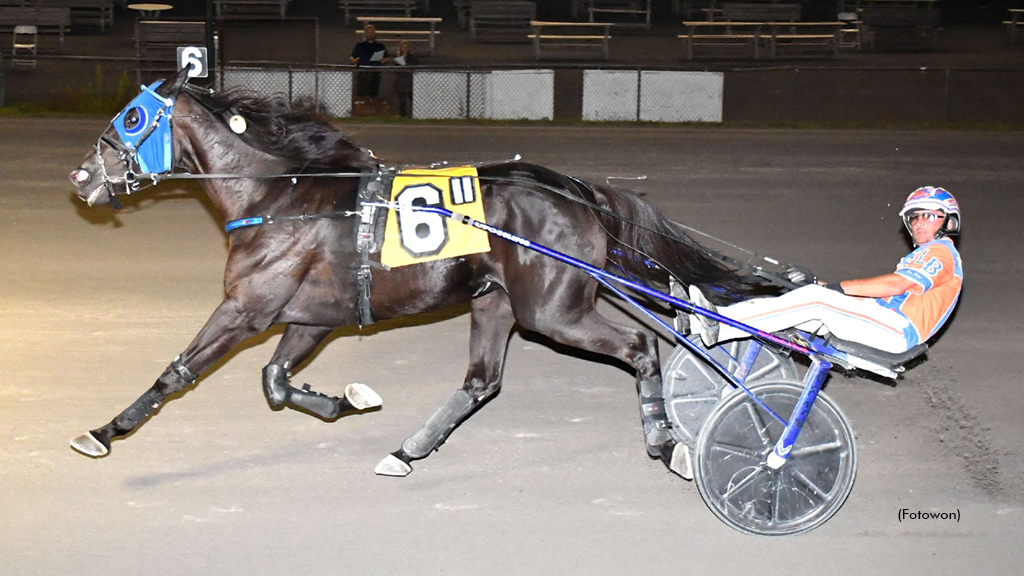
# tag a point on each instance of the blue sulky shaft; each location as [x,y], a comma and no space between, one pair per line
[813,381]
[736,381]
[595,271]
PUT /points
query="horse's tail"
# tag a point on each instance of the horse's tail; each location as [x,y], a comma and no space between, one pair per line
[651,247]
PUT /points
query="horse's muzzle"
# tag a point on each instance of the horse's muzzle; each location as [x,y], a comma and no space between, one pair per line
[92,195]
[80,177]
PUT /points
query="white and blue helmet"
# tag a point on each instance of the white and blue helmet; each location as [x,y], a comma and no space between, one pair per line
[933,198]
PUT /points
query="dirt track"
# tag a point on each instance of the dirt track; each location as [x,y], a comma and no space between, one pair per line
[551,477]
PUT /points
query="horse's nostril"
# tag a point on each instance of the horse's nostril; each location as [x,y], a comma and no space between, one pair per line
[80,176]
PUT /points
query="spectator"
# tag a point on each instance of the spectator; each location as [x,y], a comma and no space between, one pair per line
[403,80]
[369,52]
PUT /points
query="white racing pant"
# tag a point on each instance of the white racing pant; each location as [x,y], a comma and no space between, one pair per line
[811,307]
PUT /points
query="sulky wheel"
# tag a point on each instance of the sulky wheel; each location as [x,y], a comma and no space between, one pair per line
[693,388]
[744,492]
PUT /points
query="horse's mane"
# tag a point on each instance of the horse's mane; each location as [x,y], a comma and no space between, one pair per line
[295,132]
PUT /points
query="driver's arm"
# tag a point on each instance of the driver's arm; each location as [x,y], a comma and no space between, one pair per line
[878,287]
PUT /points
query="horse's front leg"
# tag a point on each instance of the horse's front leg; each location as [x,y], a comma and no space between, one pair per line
[296,345]
[229,325]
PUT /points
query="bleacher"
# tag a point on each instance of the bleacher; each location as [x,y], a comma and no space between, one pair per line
[356,8]
[233,9]
[500,21]
[899,26]
[84,12]
[47,20]
[570,39]
[157,42]
[398,29]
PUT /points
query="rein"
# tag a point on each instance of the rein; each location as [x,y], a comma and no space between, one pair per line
[128,153]
[794,277]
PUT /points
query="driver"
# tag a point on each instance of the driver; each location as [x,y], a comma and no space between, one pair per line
[893,312]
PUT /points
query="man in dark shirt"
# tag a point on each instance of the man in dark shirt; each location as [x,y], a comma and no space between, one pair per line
[369,52]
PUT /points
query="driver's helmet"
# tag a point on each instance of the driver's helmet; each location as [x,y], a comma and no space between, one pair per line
[933,198]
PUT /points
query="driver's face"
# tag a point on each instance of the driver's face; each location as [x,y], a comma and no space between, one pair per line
[925,224]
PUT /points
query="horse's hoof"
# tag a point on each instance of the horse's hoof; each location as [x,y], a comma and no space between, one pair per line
[362,397]
[681,463]
[88,444]
[392,466]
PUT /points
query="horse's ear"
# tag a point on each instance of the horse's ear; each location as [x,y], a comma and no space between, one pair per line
[177,82]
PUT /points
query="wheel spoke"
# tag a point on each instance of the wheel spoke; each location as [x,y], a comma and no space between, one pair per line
[738,451]
[816,449]
[799,476]
[758,423]
[749,479]
[775,500]
[775,363]
[703,397]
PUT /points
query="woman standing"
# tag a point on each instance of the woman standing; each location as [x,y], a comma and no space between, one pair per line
[403,80]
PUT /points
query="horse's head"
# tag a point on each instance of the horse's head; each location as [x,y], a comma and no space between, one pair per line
[138,141]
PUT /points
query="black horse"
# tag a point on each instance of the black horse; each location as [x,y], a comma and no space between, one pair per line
[303,273]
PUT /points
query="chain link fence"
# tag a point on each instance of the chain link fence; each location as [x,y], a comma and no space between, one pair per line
[780,95]
[420,93]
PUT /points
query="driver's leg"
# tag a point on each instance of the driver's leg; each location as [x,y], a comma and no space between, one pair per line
[860,320]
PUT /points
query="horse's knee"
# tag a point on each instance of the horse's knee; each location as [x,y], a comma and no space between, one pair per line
[275,385]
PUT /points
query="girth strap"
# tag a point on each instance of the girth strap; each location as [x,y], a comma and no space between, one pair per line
[373,188]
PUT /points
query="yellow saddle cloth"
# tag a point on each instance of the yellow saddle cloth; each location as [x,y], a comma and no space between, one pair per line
[415,237]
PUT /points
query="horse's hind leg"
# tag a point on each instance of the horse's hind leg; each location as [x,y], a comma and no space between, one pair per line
[296,345]
[583,327]
[492,322]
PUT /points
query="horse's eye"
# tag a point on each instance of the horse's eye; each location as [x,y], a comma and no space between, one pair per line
[131,119]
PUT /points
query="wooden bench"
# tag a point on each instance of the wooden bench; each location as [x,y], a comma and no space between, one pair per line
[759,12]
[803,38]
[85,12]
[726,36]
[500,21]
[242,9]
[618,8]
[157,42]
[359,7]
[572,35]
[54,20]
[405,34]
[1015,24]
[899,25]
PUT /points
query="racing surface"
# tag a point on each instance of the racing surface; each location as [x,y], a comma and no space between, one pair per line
[551,477]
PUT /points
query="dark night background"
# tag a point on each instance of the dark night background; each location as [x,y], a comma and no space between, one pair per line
[953,11]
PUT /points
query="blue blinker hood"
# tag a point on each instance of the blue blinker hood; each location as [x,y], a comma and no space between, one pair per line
[144,128]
